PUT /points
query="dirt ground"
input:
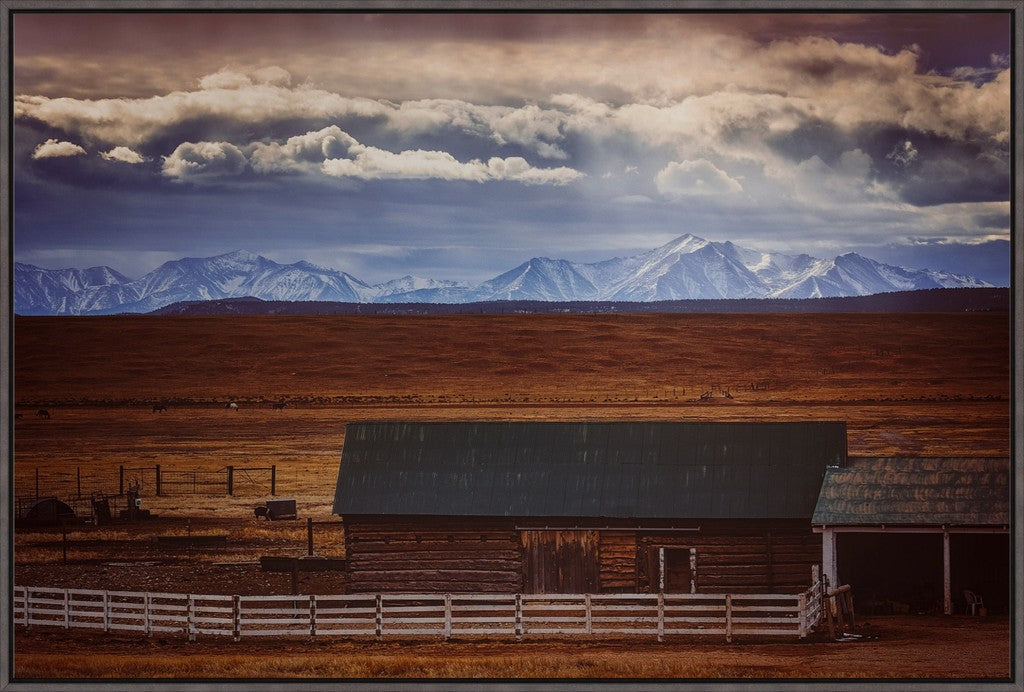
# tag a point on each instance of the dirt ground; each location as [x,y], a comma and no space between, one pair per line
[913,385]
[890,647]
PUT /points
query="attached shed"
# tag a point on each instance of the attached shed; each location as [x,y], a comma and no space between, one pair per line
[918,532]
[583,507]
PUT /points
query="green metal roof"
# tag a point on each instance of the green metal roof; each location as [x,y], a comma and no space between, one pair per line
[932,491]
[613,470]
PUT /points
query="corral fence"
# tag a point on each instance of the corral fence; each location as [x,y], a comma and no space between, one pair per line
[146,480]
[223,481]
[442,616]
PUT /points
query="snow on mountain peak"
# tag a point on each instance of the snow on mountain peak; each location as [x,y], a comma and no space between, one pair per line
[687,267]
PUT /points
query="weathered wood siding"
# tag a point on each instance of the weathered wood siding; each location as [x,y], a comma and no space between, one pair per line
[560,561]
[498,555]
[618,561]
[737,557]
[433,555]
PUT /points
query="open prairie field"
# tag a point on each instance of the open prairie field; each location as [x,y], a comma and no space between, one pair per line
[924,385]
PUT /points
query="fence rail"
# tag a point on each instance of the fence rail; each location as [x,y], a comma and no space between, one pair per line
[442,616]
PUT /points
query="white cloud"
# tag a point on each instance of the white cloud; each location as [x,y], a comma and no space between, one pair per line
[123,155]
[699,178]
[204,160]
[52,148]
[371,163]
[301,153]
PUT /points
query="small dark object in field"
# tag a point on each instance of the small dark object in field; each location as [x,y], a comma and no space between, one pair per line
[280,404]
[159,408]
[43,413]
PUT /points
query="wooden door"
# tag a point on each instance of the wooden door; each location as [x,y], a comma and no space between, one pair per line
[563,561]
[678,573]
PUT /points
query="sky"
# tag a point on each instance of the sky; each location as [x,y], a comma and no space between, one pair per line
[456,146]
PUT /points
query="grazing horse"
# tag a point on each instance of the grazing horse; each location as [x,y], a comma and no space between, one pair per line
[159,408]
[280,404]
[232,405]
[43,413]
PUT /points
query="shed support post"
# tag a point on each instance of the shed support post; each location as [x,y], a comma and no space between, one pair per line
[158,485]
[947,592]
[828,557]
[231,480]
[120,480]
[273,479]
[309,536]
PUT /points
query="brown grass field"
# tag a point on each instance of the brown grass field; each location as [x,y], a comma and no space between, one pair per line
[924,385]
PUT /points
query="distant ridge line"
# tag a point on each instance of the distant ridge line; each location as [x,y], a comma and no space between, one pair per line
[929,300]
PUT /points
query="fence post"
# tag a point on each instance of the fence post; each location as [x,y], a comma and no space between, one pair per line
[147,599]
[158,480]
[309,536]
[590,621]
[379,628]
[447,616]
[67,610]
[802,615]
[106,611]
[661,617]
[37,482]
[190,619]
[273,479]
[728,617]
[519,617]
[120,480]
[28,604]
[231,480]
[78,479]
[312,616]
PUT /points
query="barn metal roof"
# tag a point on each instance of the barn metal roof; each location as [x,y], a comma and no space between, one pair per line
[613,470]
[932,491]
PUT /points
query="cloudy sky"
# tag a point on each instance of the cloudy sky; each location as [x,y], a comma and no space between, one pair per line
[457,146]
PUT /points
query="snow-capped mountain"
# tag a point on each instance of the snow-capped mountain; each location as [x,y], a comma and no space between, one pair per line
[686,268]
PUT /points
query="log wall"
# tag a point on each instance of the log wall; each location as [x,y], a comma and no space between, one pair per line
[433,555]
[486,555]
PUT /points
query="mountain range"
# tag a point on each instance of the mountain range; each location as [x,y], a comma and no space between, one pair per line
[686,268]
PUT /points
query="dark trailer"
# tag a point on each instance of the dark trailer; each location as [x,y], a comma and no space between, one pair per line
[583,507]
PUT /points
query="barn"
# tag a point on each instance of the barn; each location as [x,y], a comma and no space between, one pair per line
[583,507]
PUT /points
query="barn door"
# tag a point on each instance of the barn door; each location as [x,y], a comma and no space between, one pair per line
[560,561]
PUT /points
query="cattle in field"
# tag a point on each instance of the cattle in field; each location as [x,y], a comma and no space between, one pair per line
[43,413]
[159,408]
[280,405]
[231,405]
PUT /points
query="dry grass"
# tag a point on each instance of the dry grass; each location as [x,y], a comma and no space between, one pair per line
[928,385]
[906,647]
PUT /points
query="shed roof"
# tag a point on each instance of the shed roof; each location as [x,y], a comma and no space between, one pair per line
[931,491]
[613,470]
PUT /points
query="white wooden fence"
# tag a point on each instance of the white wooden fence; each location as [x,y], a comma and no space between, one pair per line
[417,615]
